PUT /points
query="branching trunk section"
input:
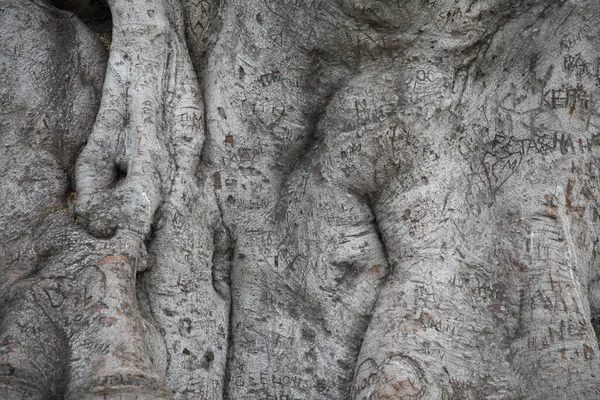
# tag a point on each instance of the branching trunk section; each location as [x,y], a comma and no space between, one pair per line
[139,172]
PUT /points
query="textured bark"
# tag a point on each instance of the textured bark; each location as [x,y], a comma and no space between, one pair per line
[299,199]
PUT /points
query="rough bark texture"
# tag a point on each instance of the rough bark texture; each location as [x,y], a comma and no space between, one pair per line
[321,199]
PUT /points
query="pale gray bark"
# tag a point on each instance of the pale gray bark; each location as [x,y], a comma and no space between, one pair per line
[299,199]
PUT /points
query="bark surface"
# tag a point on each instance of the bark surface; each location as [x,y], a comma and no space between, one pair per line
[322,199]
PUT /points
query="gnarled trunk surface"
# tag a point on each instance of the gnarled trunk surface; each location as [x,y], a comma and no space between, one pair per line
[321,199]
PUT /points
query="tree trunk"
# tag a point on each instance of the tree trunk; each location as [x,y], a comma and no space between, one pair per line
[299,200]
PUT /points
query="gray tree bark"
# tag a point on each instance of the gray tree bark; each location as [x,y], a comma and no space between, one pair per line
[321,199]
